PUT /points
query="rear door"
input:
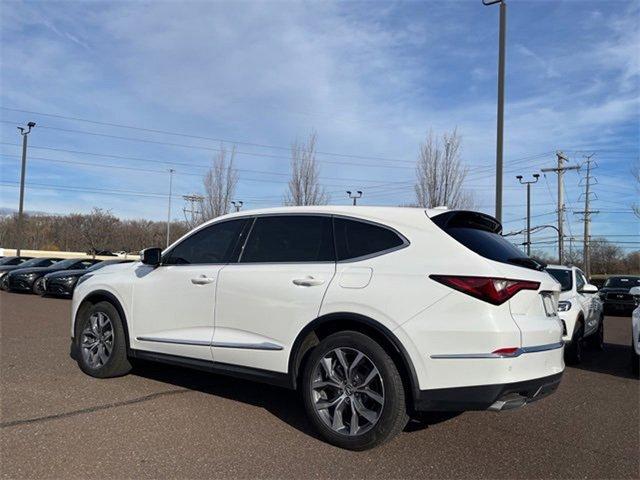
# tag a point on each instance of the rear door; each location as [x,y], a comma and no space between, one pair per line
[273,291]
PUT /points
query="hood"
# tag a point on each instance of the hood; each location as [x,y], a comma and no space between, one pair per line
[114,268]
[22,271]
[66,273]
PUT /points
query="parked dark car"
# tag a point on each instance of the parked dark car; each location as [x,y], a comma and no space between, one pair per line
[34,262]
[62,283]
[26,279]
[615,294]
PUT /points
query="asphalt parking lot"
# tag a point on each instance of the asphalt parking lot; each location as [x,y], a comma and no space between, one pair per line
[170,422]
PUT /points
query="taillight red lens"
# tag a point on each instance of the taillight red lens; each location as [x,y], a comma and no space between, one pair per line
[492,290]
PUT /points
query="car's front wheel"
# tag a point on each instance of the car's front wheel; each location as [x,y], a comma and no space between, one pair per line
[573,352]
[101,342]
[353,392]
[38,286]
[596,341]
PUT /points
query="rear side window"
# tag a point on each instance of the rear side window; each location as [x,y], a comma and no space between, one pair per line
[356,239]
[482,234]
[212,244]
[290,238]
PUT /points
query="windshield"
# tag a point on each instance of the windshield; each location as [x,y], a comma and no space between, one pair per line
[9,261]
[35,262]
[622,282]
[564,277]
[66,263]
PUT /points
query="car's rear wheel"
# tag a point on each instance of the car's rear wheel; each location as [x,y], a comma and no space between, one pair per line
[353,392]
[38,286]
[101,342]
[573,353]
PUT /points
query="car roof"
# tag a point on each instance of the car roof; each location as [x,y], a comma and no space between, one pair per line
[561,267]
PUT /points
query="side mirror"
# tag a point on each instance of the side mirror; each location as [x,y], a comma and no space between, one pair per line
[151,256]
[588,288]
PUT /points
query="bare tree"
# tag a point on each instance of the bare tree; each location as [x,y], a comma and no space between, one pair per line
[441,173]
[220,184]
[97,227]
[304,185]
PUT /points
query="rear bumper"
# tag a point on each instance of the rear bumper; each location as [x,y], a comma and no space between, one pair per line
[487,397]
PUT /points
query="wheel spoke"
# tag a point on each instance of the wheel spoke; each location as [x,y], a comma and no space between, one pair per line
[337,422]
[354,425]
[373,395]
[327,365]
[369,415]
[343,362]
[353,365]
[325,383]
[372,374]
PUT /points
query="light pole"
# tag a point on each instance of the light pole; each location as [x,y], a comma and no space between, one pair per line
[500,121]
[237,205]
[355,196]
[23,171]
[171,172]
[528,184]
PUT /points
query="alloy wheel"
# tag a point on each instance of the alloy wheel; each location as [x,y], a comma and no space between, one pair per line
[347,391]
[96,340]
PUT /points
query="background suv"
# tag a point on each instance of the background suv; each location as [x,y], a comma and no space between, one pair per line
[580,310]
[616,296]
[371,313]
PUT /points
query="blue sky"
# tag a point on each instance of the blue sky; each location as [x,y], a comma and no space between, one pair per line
[370,78]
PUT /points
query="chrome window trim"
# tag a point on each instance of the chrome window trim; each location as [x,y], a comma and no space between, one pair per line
[517,353]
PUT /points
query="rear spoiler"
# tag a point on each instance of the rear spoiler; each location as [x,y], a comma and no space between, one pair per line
[466,219]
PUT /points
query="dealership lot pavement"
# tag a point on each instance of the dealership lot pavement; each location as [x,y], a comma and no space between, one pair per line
[170,422]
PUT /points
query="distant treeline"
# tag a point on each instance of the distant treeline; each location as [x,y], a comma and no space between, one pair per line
[95,231]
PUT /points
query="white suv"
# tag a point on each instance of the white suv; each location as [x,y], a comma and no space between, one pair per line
[580,310]
[372,313]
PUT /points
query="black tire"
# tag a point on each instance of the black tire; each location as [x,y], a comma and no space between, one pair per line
[392,415]
[573,353]
[596,340]
[37,287]
[117,363]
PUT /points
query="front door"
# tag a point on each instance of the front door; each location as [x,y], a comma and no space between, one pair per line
[274,290]
[173,304]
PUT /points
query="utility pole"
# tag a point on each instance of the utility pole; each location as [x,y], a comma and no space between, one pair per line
[23,172]
[560,169]
[500,121]
[586,213]
[193,218]
[171,172]
[237,205]
[528,184]
[355,196]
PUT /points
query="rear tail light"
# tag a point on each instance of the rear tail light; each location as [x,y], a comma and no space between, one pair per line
[492,290]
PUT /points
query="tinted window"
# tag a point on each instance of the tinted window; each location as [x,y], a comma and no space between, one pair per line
[481,233]
[622,282]
[72,263]
[212,244]
[564,277]
[11,261]
[358,239]
[292,238]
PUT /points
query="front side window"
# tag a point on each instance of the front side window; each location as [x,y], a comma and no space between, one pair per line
[210,245]
[356,239]
[290,239]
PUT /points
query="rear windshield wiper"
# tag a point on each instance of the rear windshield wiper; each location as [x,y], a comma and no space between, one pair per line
[527,262]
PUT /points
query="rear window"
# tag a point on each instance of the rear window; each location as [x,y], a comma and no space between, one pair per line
[482,234]
[564,277]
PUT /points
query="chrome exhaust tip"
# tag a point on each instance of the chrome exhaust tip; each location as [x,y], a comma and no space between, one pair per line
[508,402]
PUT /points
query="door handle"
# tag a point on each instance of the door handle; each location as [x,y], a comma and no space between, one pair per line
[202,280]
[308,281]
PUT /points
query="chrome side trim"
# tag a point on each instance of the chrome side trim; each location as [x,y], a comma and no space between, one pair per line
[517,353]
[205,343]
[250,346]
[201,343]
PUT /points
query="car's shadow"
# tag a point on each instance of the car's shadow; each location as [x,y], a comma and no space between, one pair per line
[280,402]
[615,360]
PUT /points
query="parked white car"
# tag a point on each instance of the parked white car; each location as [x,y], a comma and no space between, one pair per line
[580,310]
[371,313]
[635,330]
